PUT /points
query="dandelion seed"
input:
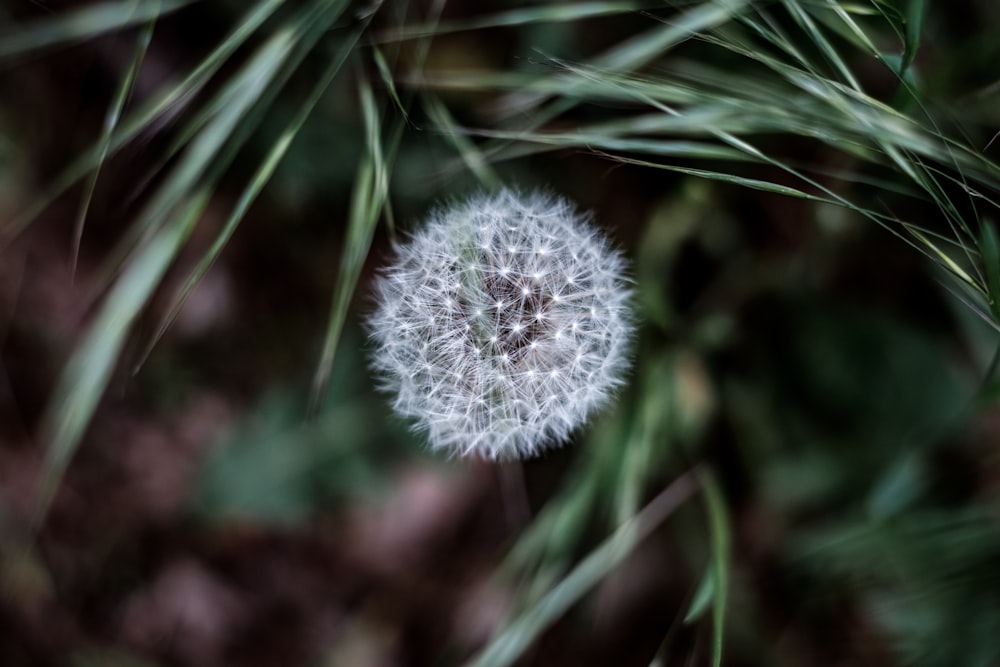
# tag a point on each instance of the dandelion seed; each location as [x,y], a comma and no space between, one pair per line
[499,405]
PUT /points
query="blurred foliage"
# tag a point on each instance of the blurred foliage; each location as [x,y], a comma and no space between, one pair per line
[275,469]
[807,190]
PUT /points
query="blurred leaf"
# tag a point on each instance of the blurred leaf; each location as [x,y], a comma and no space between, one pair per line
[111,119]
[928,578]
[88,372]
[519,634]
[901,486]
[703,597]
[719,530]
[257,182]
[371,190]
[277,468]
[170,216]
[82,24]
[546,13]
[916,10]
[167,100]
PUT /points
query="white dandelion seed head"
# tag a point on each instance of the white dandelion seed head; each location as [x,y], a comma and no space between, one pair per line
[502,324]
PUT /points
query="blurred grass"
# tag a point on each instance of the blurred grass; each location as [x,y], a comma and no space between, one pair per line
[830,440]
[166,221]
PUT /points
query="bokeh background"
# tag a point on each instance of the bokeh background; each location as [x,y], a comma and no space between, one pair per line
[214,480]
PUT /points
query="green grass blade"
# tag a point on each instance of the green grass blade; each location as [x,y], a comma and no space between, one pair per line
[160,106]
[550,13]
[183,194]
[250,193]
[629,55]
[518,636]
[703,597]
[303,29]
[308,26]
[86,376]
[387,81]
[724,177]
[820,40]
[470,154]
[651,434]
[238,97]
[641,50]
[367,201]
[989,246]
[916,10]
[720,535]
[110,123]
[935,252]
[260,178]
[82,24]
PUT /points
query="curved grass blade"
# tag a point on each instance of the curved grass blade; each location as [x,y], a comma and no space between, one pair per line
[733,140]
[638,51]
[159,107]
[989,246]
[369,200]
[820,40]
[551,13]
[916,10]
[178,204]
[719,529]
[470,154]
[110,123]
[249,195]
[371,189]
[390,85]
[82,24]
[86,376]
[518,636]
[306,27]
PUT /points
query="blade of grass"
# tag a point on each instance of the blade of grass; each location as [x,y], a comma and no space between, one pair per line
[469,153]
[86,376]
[629,55]
[650,437]
[916,10]
[636,52]
[183,194]
[255,185]
[141,120]
[819,39]
[368,202]
[943,258]
[305,27]
[387,81]
[724,177]
[551,13]
[989,246]
[82,24]
[369,196]
[756,154]
[110,123]
[518,636]
[719,530]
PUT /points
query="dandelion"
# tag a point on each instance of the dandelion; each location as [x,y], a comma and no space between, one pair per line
[502,325]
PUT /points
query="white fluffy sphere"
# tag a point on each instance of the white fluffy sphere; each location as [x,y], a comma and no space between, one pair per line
[502,324]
